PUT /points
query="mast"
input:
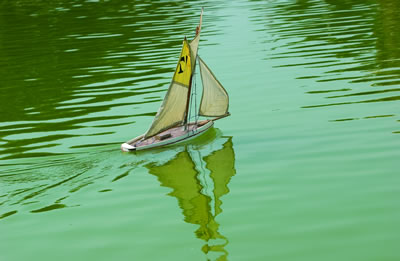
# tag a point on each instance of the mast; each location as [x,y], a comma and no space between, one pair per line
[185,123]
[189,94]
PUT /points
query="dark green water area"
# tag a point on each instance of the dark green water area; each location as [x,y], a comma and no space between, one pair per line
[306,168]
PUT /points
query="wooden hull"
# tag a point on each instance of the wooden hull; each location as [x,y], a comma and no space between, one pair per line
[168,137]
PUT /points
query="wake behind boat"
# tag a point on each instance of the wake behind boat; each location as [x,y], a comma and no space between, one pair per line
[171,124]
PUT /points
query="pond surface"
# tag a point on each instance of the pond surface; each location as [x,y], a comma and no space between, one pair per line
[306,168]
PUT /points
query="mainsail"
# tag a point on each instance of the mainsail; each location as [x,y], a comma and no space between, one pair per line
[172,110]
[215,99]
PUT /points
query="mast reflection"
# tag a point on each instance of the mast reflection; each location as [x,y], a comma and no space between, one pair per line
[198,179]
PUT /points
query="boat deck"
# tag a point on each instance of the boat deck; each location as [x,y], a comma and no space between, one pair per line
[166,135]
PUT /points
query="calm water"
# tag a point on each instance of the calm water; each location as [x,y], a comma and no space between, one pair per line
[306,168]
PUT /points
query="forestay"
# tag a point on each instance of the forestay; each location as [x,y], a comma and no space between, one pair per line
[215,100]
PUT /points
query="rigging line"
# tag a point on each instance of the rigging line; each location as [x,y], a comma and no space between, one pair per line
[196,114]
[189,110]
[195,105]
[195,100]
[190,100]
[193,96]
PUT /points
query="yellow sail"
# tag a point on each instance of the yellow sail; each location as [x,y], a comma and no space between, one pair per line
[183,70]
[172,110]
[215,99]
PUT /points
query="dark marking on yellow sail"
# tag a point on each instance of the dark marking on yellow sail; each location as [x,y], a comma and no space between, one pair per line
[183,70]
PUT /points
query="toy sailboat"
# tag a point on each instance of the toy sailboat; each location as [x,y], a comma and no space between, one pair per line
[172,122]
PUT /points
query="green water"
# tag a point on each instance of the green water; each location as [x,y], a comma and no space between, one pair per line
[306,168]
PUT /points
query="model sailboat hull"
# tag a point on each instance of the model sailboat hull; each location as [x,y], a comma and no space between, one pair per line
[168,137]
[171,123]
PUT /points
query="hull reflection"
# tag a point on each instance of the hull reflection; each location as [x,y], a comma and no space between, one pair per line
[199,177]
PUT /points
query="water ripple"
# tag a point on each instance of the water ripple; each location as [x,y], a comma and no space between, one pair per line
[351,44]
[109,61]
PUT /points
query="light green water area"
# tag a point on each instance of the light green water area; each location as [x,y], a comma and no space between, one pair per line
[306,168]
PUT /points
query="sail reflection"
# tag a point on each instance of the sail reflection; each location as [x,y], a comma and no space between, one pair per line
[198,182]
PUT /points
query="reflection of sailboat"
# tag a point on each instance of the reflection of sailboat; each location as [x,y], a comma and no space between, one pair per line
[199,200]
[172,122]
